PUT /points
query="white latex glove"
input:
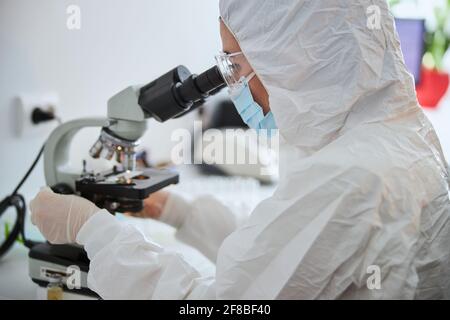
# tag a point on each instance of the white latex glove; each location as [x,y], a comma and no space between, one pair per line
[60,217]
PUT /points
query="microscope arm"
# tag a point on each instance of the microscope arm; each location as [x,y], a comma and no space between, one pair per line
[56,152]
[126,121]
[167,97]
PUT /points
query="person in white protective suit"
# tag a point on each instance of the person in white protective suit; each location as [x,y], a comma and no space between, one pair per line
[363,187]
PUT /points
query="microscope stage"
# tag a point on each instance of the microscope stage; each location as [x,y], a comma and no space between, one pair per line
[137,185]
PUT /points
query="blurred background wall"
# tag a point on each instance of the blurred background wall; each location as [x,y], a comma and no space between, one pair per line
[120,43]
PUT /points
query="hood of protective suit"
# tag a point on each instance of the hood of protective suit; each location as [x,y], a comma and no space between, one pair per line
[363,184]
[326,65]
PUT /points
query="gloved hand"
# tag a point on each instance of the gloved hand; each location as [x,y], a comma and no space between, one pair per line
[153,206]
[60,217]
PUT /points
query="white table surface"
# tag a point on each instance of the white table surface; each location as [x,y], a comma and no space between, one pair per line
[14,280]
[16,284]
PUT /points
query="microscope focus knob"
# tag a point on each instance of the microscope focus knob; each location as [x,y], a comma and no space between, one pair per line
[62,188]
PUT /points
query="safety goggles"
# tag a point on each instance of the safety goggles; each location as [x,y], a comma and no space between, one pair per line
[234,68]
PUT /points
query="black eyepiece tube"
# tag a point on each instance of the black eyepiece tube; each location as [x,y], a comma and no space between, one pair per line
[199,87]
[210,80]
[177,91]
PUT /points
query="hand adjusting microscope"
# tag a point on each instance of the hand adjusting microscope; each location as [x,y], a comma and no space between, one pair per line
[122,189]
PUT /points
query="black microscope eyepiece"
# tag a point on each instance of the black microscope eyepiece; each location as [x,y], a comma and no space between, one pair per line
[177,91]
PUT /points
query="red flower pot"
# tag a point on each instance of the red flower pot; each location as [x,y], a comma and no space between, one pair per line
[432,87]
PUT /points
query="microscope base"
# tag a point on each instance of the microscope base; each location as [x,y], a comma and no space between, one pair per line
[46,259]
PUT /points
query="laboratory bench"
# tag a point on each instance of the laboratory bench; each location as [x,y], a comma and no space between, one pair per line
[15,282]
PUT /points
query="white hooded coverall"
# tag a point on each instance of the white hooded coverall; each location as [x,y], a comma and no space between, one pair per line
[364,183]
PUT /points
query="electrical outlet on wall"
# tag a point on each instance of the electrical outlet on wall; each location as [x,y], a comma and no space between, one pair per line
[33,114]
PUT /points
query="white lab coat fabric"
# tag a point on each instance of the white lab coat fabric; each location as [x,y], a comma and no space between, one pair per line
[362,207]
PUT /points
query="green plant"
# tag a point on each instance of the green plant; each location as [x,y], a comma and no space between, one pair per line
[393,3]
[438,40]
[7,232]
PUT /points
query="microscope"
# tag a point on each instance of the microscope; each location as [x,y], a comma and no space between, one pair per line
[125,187]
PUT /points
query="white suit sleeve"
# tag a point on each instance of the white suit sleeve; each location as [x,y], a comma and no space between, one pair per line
[127,265]
[205,222]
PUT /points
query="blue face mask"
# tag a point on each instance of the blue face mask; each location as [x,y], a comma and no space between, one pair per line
[250,111]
